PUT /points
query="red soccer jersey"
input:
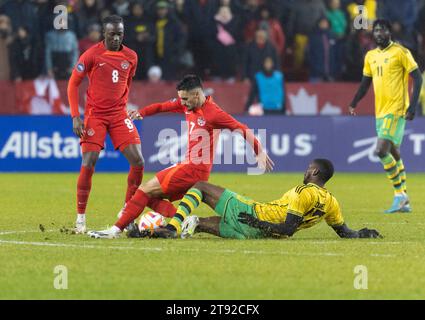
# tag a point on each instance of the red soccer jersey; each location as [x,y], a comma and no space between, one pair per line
[201,123]
[110,74]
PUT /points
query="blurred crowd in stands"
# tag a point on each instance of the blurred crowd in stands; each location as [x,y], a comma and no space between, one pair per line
[221,40]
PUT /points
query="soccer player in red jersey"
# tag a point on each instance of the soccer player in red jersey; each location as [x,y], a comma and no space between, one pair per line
[203,117]
[110,67]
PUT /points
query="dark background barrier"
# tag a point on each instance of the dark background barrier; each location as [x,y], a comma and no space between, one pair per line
[47,144]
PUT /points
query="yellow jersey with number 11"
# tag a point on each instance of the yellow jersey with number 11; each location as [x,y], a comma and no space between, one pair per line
[389,69]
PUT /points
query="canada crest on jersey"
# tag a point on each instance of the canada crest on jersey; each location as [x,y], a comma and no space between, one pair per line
[201,121]
[125,64]
[90,132]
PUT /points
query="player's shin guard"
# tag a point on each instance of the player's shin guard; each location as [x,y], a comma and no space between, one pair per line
[390,167]
[190,202]
[402,173]
[134,180]
[163,207]
[133,209]
[83,188]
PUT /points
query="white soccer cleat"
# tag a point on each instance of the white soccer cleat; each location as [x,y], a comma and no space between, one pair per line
[110,233]
[188,226]
[80,227]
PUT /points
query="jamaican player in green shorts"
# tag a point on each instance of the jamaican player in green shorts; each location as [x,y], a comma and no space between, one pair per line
[389,66]
[241,218]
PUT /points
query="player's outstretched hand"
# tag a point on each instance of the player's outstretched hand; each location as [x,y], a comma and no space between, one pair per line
[369,233]
[134,115]
[410,116]
[78,126]
[264,162]
[351,111]
[248,219]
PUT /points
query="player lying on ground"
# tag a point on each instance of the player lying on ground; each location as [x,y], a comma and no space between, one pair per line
[203,117]
[241,218]
[389,66]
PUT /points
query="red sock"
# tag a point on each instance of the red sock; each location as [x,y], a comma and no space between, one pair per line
[134,180]
[83,188]
[162,206]
[133,209]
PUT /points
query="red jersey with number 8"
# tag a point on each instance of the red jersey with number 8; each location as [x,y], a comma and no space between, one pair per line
[110,74]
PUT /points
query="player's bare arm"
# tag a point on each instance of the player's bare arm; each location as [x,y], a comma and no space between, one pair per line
[361,92]
[345,232]
[286,229]
[417,84]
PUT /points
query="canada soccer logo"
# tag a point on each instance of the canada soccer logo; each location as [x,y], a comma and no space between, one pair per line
[125,65]
[201,121]
[90,132]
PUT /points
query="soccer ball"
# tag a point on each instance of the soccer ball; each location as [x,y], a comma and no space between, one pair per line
[151,220]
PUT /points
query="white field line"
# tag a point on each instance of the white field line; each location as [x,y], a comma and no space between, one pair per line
[22,231]
[159,249]
[396,223]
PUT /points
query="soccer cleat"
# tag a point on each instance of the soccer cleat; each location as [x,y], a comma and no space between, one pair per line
[105,234]
[398,203]
[164,233]
[133,231]
[80,228]
[188,226]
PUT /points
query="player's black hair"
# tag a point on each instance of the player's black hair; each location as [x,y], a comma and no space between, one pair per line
[114,19]
[383,23]
[326,169]
[189,82]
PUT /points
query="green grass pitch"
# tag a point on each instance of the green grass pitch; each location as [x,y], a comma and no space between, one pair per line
[314,264]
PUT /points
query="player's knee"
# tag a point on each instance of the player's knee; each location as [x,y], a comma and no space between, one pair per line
[138,162]
[89,161]
[201,185]
[381,153]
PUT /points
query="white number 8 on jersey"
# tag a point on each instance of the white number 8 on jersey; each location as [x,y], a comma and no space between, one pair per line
[129,124]
[115,76]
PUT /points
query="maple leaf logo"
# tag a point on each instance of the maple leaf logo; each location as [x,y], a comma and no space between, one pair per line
[303,104]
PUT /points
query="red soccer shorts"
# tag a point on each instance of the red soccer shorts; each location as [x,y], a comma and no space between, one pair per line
[121,129]
[177,179]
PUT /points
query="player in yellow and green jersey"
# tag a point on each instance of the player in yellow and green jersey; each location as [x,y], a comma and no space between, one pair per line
[389,67]
[241,218]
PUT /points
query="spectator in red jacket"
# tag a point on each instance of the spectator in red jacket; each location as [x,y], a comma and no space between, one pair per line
[268,22]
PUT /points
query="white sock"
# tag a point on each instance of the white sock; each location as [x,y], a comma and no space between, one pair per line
[81,218]
[116,229]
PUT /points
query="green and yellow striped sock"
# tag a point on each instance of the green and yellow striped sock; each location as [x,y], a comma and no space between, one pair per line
[190,202]
[402,173]
[390,167]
